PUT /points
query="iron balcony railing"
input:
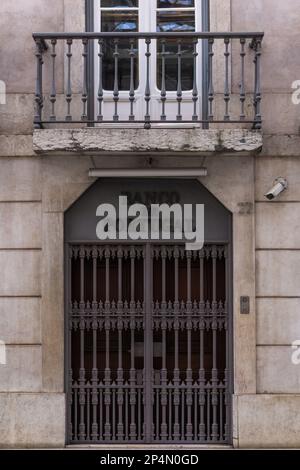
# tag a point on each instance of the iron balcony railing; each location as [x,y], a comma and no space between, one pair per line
[71,71]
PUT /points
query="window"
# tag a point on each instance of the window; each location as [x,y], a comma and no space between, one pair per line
[176,16]
[147,16]
[119,16]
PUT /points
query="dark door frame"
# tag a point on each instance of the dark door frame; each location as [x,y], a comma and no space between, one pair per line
[70,240]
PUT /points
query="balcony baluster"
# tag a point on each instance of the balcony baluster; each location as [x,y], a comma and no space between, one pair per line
[178,97]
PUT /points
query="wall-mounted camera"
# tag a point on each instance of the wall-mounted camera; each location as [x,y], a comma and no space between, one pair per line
[280,185]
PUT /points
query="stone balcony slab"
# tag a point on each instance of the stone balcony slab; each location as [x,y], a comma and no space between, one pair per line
[139,140]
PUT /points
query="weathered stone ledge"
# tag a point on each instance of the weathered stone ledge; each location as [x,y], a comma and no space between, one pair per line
[104,140]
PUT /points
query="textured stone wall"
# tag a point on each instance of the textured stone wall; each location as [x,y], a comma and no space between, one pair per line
[35,190]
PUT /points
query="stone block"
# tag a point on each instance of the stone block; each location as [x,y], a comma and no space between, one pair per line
[20,320]
[277,224]
[23,369]
[20,225]
[278,321]
[20,273]
[20,179]
[277,273]
[276,372]
[32,420]
[269,421]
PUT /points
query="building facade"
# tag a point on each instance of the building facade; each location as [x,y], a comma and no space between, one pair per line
[141,341]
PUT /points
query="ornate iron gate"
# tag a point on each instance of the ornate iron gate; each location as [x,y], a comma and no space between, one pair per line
[148,344]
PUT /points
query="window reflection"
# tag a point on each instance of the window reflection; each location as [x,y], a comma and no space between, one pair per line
[176,18]
[119,22]
[175,3]
[119,3]
[169,22]
[171,65]
[122,22]
[173,21]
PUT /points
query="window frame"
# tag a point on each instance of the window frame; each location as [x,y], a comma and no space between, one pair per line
[89,26]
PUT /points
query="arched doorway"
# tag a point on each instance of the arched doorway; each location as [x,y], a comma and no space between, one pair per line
[148,324]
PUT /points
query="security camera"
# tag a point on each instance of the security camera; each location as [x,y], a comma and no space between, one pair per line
[280,185]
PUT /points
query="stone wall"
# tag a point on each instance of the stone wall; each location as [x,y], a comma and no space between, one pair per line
[271,417]
[35,190]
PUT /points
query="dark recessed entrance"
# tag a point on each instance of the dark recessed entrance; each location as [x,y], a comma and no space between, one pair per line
[148,328]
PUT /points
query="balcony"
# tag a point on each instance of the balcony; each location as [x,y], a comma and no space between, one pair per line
[137,92]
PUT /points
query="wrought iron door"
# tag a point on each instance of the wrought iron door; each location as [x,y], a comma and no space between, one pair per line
[148,344]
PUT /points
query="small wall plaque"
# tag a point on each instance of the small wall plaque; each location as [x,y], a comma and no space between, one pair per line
[245,305]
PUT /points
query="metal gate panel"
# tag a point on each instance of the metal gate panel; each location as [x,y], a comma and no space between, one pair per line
[148,344]
[105,328]
[190,322]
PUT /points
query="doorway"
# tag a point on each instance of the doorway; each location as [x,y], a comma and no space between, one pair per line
[148,326]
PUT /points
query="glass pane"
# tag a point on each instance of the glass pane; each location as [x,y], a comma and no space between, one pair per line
[175,21]
[119,3]
[119,22]
[171,65]
[175,3]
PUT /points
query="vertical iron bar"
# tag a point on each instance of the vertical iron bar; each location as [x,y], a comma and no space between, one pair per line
[82,382]
[189,372]
[100,87]
[38,90]
[120,374]
[242,85]
[227,381]
[101,414]
[170,414]
[107,372]
[139,420]
[94,330]
[163,377]
[147,124]
[226,88]
[148,342]
[126,415]
[84,87]
[132,84]
[176,376]
[179,84]
[195,87]
[53,83]
[258,118]
[113,418]
[208,434]
[195,414]
[157,414]
[69,359]
[88,413]
[120,287]
[201,365]
[183,414]
[116,80]
[69,81]
[44,47]
[75,412]
[221,416]
[163,93]
[205,13]
[211,93]
[132,374]
[214,326]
